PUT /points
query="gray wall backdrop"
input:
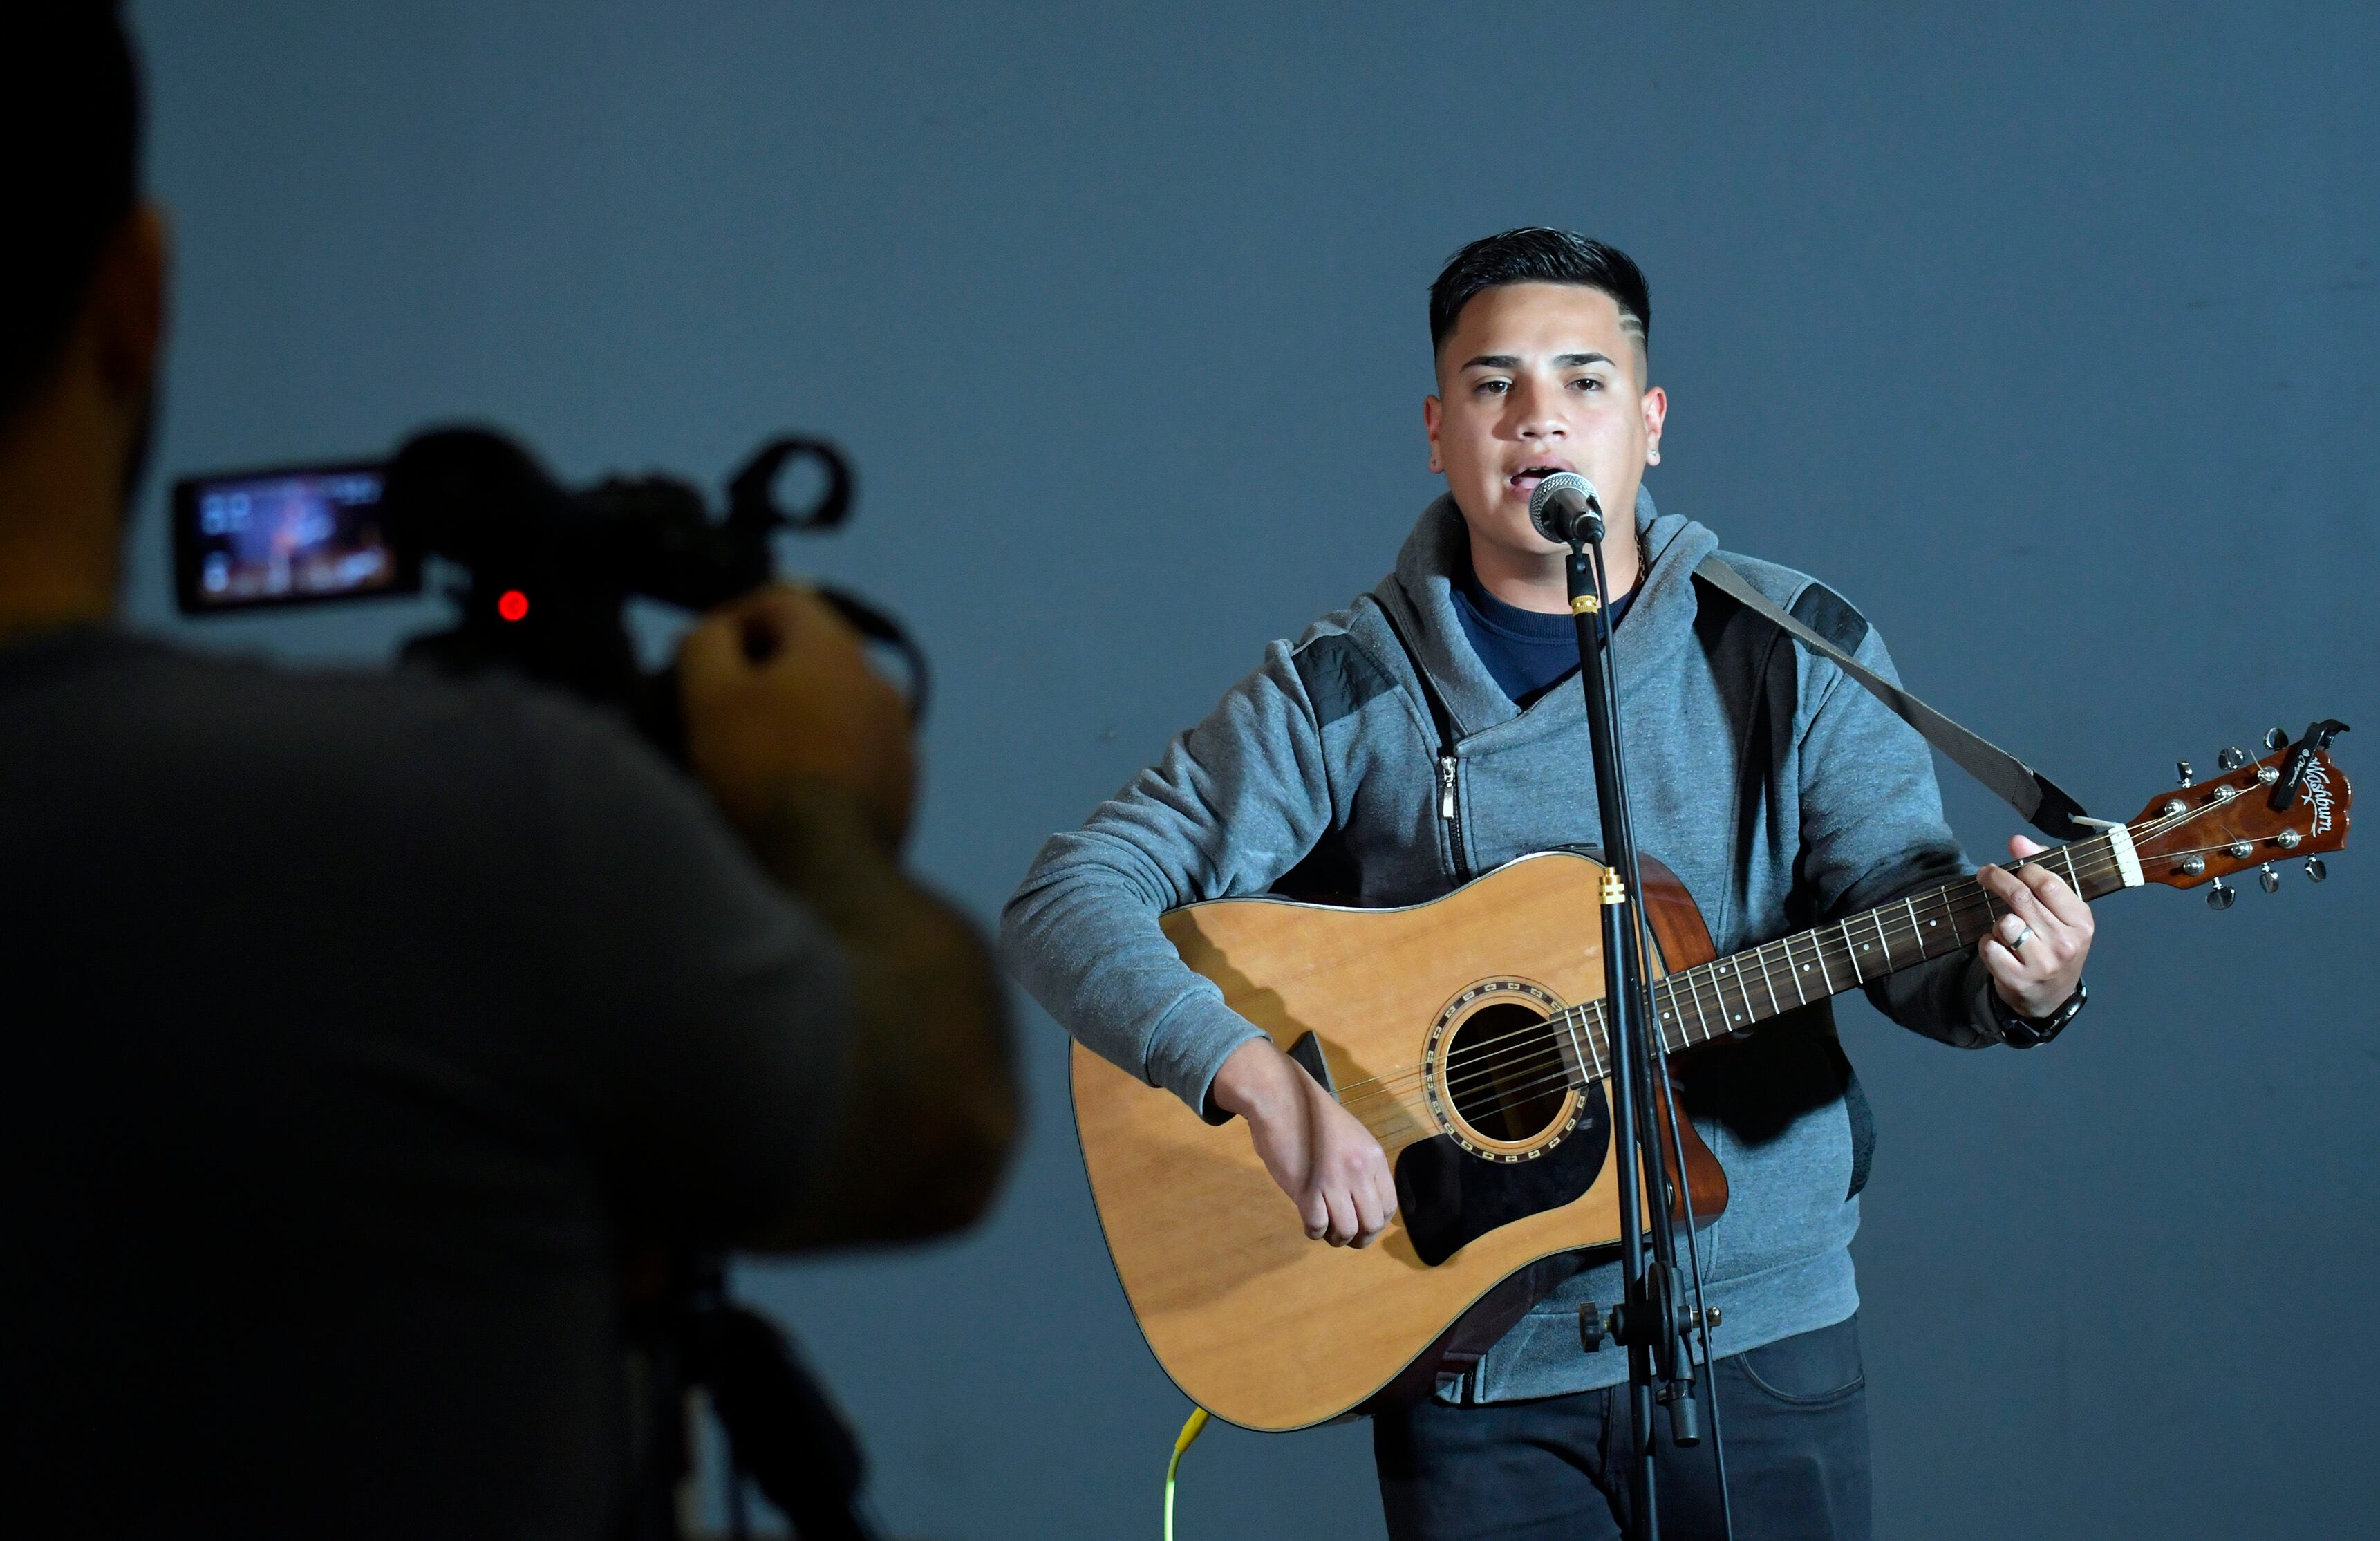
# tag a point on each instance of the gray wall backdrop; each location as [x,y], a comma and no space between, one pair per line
[2046,332]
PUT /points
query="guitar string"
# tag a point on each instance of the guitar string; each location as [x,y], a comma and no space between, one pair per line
[1542,1055]
[1486,1061]
[1535,1058]
[2101,861]
[1938,901]
[1956,902]
[1554,1075]
[1949,902]
[1486,1057]
[2201,850]
[1593,1018]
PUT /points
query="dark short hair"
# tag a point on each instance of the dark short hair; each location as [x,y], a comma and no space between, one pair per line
[1533,254]
[72,127]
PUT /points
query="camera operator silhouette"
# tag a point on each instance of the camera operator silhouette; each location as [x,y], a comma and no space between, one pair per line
[359,1023]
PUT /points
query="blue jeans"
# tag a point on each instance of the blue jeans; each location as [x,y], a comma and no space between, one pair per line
[1794,1418]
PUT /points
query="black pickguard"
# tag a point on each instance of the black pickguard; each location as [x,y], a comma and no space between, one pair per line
[1446,1196]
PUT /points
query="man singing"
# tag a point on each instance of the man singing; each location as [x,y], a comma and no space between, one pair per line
[1431,731]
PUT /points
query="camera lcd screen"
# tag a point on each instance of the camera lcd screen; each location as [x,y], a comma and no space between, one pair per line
[285,536]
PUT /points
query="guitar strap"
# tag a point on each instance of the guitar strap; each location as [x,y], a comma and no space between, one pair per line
[2040,801]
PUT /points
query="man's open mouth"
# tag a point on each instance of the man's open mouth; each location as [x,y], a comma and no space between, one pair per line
[1527,476]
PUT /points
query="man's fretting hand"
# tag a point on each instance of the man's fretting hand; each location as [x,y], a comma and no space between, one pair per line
[1325,1161]
[2035,973]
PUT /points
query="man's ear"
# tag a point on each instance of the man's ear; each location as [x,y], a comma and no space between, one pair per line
[1657,414]
[127,306]
[1433,412]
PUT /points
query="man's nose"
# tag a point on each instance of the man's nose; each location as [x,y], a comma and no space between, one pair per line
[1536,411]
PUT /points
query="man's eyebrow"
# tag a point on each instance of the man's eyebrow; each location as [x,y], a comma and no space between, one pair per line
[1512,360]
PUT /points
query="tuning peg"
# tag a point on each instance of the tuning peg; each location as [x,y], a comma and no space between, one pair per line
[2181,769]
[2276,738]
[2231,759]
[2268,879]
[2315,871]
[2220,894]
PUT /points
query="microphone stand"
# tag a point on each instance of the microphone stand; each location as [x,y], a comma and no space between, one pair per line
[1652,1320]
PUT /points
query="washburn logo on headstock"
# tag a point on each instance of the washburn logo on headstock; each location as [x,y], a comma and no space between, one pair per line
[2317,795]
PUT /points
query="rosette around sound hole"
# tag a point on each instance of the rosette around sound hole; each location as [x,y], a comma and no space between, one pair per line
[1505,1075]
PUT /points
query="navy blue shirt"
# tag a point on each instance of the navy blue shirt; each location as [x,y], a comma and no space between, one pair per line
[1526,652]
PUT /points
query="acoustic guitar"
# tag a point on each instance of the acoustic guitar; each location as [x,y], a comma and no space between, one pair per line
[1467,1034]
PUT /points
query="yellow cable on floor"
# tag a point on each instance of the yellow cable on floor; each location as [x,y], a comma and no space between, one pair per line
[1181,1442]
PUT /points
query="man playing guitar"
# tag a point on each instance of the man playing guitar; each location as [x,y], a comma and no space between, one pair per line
[1416,740]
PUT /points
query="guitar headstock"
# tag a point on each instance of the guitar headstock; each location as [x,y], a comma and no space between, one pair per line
[2292,804]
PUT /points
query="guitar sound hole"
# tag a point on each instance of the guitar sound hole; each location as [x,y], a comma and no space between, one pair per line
[1503,1073]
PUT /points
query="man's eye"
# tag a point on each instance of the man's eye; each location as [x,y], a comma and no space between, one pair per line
[1586,382]
[1492,387]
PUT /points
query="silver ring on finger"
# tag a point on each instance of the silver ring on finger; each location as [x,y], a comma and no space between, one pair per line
[2022,937]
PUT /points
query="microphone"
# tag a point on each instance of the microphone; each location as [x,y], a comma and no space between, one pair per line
[1564,509]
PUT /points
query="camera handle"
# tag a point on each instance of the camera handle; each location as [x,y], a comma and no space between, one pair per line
[752,503]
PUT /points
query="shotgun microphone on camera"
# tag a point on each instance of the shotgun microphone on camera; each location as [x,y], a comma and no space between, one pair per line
[1564,509]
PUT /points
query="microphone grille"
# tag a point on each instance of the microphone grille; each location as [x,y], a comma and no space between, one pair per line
[1542,501]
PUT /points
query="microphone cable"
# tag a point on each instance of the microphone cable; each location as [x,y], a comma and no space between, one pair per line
[1191,1429]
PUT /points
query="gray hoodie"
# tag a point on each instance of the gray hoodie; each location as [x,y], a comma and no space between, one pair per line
[1780,791]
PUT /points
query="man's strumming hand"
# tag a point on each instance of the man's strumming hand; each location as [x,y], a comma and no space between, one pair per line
[1325,1161]
[2035,973]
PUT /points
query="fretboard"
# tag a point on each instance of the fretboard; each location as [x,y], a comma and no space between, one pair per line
[1732,994]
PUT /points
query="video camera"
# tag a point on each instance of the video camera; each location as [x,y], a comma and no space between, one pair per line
[549,571]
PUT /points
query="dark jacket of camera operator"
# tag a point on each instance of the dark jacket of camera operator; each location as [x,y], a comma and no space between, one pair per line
[356,1025]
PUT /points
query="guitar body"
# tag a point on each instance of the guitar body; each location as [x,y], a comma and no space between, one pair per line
[1496,1168]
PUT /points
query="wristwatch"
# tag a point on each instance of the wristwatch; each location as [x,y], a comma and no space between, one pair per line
[2031,1032]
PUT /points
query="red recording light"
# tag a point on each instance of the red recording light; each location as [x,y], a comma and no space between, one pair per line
[513,605]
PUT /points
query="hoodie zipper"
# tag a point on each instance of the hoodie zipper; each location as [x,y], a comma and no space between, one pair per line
[1448,811]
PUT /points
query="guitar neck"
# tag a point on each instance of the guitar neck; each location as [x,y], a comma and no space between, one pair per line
[1730,994]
